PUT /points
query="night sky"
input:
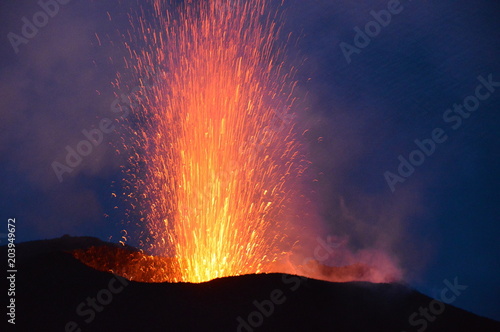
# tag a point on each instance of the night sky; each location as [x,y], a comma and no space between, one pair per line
[372,100]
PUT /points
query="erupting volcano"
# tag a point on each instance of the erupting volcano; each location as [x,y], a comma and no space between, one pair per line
[216,160]
[214,176]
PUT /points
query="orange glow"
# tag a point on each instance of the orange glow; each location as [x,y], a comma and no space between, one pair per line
[214,167]
[214,160]
[137,266]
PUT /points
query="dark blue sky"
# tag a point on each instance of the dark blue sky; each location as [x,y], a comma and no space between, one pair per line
[442,221]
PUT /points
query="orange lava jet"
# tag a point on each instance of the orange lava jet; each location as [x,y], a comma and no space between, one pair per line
[214,161]
[215,165]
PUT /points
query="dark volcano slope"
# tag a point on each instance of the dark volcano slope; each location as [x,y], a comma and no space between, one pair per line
[55,292]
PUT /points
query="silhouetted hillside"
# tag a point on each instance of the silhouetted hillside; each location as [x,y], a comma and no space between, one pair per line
[56,292]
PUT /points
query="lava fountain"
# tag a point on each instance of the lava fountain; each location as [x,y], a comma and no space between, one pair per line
[214,156]
[215,163]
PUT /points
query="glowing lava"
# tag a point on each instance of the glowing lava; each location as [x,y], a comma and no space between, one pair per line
[214,163]
[214,159]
